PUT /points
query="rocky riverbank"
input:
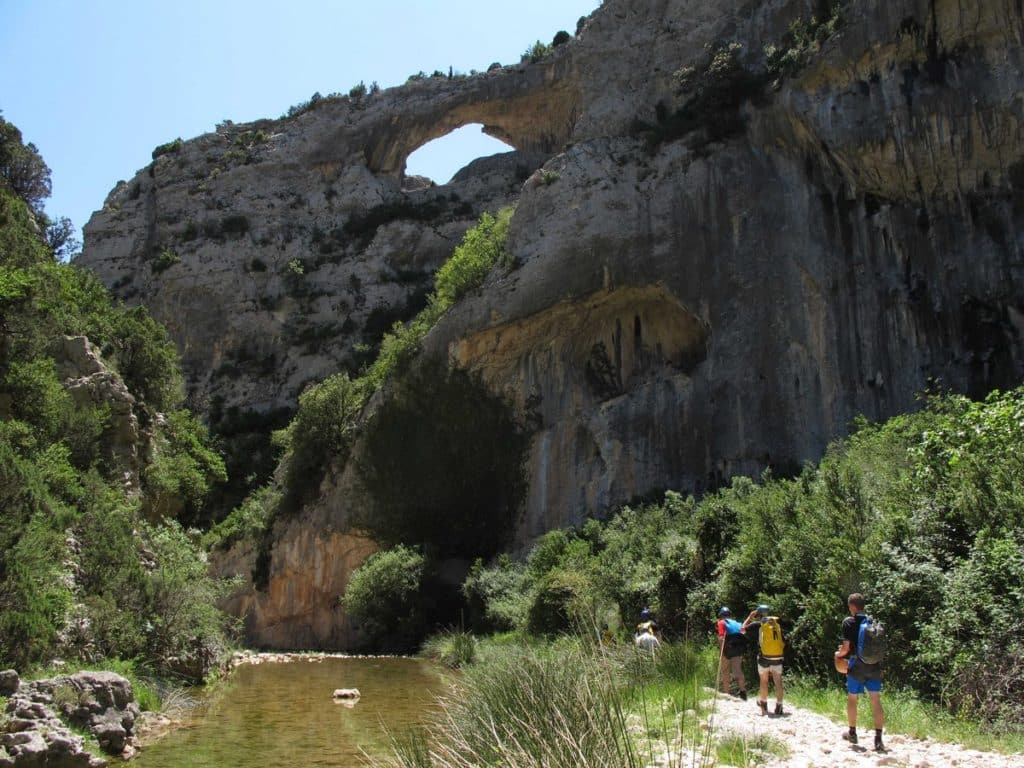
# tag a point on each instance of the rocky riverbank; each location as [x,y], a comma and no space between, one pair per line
[36,726]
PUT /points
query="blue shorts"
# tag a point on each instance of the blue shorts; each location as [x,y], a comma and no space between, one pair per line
[857,686]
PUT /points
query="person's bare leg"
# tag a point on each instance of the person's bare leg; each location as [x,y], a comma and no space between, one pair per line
[851,710]
[777,678]
[876,710]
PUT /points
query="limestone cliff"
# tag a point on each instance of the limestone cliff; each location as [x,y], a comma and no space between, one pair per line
[742,237]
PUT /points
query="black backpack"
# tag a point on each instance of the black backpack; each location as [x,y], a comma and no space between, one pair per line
[871,641]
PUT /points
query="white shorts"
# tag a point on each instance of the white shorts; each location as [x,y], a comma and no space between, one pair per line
[763,670]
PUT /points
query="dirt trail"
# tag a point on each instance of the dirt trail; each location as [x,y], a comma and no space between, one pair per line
[815,741]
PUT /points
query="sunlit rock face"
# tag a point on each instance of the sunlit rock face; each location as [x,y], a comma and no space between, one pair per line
[718,267]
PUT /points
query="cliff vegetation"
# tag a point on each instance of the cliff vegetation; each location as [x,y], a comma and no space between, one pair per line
[97,460]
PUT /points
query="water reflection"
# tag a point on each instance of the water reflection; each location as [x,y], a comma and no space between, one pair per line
[284,715]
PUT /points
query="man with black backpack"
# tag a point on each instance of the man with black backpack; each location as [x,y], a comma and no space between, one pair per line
[862,650]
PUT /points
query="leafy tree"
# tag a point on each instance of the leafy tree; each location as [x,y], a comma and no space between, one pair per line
[383,596]
[22,169]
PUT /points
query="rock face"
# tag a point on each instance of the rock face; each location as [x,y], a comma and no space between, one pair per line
[730,252]
[90,382]
[35,733]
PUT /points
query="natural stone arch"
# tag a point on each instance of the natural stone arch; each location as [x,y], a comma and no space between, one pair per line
[459,149]
[528,110]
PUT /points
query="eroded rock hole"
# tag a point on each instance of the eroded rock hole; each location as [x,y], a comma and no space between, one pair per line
[439,160]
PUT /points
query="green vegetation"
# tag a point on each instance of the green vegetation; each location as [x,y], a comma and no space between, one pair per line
[164,261]
[328,417]
[568,702]
[382,597]
[170,147]
[925,514]
[802,42]
[536,52]
[454,648]
[89,570]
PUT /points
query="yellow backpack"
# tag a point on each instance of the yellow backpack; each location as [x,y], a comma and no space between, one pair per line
[772,644]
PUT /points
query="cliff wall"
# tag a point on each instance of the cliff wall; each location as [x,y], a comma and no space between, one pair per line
[744,234]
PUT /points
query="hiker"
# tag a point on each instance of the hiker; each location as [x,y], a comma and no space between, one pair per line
[732,645]
[647,640]
[770,648]
[646,631]
[860,676]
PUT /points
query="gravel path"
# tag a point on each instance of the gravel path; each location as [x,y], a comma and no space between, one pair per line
[815,741]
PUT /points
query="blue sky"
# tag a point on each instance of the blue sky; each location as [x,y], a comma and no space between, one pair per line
[97,84]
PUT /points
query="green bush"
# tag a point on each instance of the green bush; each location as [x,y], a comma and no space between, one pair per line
[184,469]
[170,147]
[383,597]
[454,648]
[496,595]
[164,261]
[924,514]
[536,52]
[324,428]
[81,575]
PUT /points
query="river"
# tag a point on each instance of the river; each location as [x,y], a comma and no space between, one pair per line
[282,714]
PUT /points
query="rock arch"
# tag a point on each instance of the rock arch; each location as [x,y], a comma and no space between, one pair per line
[527,108]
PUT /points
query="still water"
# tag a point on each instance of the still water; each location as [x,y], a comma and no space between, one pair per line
[283,715]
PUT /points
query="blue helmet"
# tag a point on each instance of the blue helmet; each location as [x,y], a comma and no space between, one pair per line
[763,610]
[724,611]
[645,614]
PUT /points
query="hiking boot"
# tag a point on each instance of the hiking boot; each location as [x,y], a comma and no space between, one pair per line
[850,736]
[778,708]
[743,695]
[763,706]
[879,746]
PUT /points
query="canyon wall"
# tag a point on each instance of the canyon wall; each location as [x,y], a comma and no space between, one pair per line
[729,242]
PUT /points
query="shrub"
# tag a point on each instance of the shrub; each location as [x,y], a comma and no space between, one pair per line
[562,601]
[802,42]
[455,648]
[247,521]
[536,52]
[170,147]
[561,38]
[236,224]
[324,428]
[357,91]
[22,169]
[383,596]
[164,261]
[184,469]
[481,249]
[496,595]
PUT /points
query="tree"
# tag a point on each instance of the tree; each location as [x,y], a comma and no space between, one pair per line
[21,167]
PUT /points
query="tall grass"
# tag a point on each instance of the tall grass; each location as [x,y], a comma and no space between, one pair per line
[570,702]
[454,648]
[530,707]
